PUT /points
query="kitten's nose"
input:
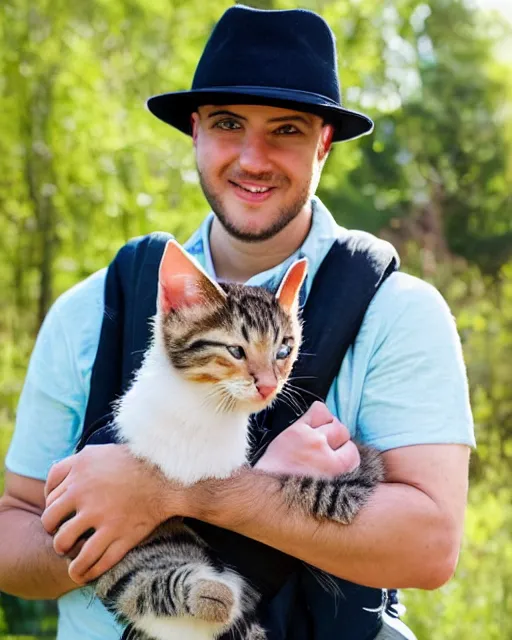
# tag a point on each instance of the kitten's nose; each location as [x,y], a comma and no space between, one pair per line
[266,389]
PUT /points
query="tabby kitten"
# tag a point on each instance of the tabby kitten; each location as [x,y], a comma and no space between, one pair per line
[219,353]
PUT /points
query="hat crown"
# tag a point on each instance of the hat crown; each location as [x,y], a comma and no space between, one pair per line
[281,59]
[291,49]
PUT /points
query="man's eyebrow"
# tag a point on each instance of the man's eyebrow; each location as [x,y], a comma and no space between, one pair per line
[225,112]
[296,118]
[293,118]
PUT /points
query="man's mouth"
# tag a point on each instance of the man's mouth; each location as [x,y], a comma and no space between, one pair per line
[251,188]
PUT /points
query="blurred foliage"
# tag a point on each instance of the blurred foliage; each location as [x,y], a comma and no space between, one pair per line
[83,167]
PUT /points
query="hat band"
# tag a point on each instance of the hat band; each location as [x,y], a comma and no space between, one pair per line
[297,94]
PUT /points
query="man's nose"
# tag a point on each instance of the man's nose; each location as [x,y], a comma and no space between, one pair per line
[255,155]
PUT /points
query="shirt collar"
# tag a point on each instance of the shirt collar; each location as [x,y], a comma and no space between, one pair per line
[322,234]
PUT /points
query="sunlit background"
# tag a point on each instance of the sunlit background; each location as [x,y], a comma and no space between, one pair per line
[84,167]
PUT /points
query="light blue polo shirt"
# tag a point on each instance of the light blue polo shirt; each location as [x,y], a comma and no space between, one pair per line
[402,383]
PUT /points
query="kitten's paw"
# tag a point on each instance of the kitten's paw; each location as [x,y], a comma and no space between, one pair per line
[211,601]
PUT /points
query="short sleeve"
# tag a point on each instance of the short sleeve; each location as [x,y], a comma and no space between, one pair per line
[415,390]
[52,404]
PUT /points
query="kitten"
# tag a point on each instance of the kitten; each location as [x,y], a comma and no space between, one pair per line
[219,353]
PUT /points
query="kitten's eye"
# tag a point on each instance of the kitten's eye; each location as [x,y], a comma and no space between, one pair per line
[284,352]
[236,352]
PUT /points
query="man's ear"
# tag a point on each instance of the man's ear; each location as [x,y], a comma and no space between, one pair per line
[194,123]
[326,141]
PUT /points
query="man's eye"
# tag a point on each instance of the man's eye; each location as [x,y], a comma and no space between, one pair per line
[227,125]
[288,129]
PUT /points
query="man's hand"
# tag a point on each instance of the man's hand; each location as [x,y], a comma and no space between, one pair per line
[121,500]
[104,489]
[317,444]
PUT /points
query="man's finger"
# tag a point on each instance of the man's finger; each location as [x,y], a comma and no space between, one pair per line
[317,414]
[56,493]
[335,433]
[96,557]
[69,534]
[57,474]
[73,553]
[347,457]
[58,512]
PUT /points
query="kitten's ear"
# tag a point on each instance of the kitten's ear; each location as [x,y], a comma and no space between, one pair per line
[288,292]
[182,282]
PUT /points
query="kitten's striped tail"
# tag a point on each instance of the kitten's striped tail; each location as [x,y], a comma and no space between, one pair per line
[340,498]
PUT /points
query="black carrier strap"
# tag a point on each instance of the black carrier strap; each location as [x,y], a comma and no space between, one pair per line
[294,605]
[131,286]
[344,286]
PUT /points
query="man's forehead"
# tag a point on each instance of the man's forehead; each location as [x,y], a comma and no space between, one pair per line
[257,111]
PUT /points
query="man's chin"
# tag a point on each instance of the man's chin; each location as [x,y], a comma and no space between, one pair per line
[254,230]
[251,235]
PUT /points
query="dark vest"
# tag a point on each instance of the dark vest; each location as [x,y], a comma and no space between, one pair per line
[294,605]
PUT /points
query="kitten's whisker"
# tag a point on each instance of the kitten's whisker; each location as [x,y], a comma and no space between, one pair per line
[290,400]
[211,393]
[298,390]
[224,402]
[212,396]
[297,412]
[231,403]
[327,583]
[294,393]
[286,399]
[216,395]
[227,402]
[256,454]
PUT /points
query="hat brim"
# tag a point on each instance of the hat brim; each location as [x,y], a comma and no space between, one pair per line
[176,108]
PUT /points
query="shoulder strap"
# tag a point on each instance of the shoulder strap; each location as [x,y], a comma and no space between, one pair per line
[130,302]
[344,285]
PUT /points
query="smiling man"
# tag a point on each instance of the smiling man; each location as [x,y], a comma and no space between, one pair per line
[259,167]
[267,156]
[263,111]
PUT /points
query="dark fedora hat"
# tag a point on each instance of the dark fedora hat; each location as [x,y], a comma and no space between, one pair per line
[276,58]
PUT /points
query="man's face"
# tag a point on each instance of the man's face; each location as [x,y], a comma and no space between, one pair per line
[258,165]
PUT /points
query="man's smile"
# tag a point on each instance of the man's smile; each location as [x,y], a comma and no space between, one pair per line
[251,192]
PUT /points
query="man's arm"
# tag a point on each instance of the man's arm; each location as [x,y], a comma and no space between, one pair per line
[29,567]
[408,535]
[48,424]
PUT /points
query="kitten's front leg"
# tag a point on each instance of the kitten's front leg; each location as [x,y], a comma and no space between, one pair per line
[340,498]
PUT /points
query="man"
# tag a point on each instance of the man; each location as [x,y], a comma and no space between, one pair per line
[263,113]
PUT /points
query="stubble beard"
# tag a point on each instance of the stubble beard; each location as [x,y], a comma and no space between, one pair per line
[286,214]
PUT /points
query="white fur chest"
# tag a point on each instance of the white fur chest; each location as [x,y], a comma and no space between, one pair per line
[168,421]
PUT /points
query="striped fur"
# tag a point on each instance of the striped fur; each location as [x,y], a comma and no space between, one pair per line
[174,576]
[341,498]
